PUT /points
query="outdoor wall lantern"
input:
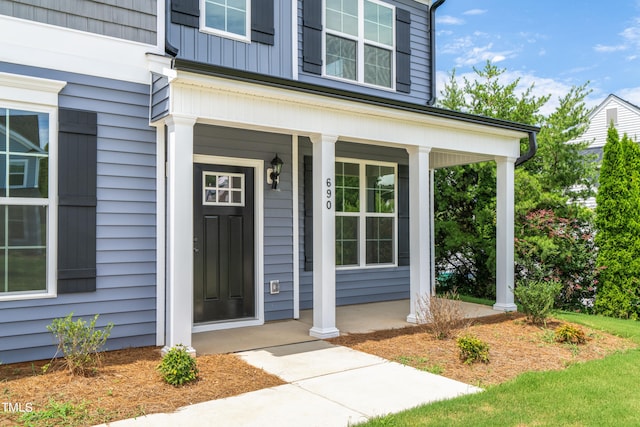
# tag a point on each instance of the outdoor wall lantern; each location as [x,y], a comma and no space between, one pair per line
[273,173]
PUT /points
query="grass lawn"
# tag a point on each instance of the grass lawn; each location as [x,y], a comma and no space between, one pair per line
[597,393]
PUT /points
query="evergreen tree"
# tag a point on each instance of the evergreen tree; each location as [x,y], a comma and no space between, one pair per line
[618,225]
[465,195]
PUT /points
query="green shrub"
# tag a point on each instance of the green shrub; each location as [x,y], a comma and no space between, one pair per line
[178,366]
[570,334]
[473,349]
[80,343]
[536,298]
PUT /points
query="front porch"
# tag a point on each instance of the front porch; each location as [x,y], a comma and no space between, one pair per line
[358,318]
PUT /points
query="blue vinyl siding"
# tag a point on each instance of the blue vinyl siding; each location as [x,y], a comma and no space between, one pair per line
[275,60]
[362,285]
[278,214]
[420,59]
[126,232]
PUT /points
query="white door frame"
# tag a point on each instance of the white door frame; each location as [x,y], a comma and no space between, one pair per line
[258,167]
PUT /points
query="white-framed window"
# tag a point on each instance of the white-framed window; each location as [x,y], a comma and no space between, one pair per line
[359,41]
[28,212]
[366,214]
[222,189]
[227,18]
[25,202]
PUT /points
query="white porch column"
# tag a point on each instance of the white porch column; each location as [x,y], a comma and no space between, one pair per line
[419,228]
[505,234]
[179,230]
[324,237]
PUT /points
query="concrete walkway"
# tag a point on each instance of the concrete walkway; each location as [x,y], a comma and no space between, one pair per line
[328,386]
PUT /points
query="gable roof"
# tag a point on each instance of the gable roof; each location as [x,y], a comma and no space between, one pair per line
[627,116]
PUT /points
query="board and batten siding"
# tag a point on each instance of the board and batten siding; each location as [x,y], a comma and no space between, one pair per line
[134,20]
[278,213]
[360,285]
[272,60]
[126,231]
[420,58]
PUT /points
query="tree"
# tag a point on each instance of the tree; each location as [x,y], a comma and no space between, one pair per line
[465,195]
[618,226]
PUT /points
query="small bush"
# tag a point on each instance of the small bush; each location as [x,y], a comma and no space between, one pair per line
[178,366]
[79,343]
[536,298]
[473,349]
[570,334]
[443,314]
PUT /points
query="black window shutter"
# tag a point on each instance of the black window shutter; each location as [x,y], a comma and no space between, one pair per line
[403,51]
[308,213]
[312,36]
[186,12]
[262,26]
[403,215]
[77,168]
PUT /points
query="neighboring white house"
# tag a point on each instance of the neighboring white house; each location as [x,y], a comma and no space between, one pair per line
[625,117]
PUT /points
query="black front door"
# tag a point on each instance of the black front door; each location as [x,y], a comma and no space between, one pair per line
[223,243]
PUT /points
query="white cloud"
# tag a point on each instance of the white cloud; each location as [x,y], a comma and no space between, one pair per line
[630,41]
[480,54]
[607,49]
[630,94]
[475,12]
[542,86]
[448,20]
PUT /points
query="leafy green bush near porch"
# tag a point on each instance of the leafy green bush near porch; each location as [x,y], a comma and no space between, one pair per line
[574,396]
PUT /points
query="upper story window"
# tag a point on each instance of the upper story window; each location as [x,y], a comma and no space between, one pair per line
[230,18]
[359,41]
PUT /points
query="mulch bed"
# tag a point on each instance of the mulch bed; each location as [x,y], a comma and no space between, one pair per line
[515,346]
[128,384]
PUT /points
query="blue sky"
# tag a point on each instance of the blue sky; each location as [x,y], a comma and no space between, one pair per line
[554,44]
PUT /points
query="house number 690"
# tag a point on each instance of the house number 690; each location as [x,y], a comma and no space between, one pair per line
[328,204]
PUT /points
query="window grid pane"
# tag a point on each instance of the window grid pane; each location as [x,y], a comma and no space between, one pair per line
[227,15]
[380,189]
[378,23]
[347,187]
[377,66]
[347,248]
[341,57]
[223,189]
[379,246]
[342,16]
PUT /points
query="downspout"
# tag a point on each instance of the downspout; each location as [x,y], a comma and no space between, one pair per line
[432,46]
[533,147]
[168,47]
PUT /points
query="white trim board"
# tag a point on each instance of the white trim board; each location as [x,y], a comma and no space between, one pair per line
[59,48]
[258,166]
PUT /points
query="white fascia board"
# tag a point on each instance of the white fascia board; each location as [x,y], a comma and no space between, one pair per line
[263,107]
[47,46]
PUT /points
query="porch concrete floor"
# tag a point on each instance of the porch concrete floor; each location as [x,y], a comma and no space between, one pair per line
[349,319]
